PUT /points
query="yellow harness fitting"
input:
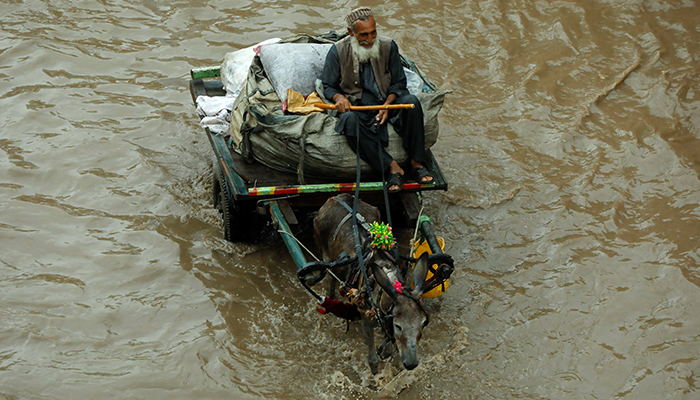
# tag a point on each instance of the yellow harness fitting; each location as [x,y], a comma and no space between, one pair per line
[422,247]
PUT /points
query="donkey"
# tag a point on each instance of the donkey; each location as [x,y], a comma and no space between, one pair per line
[334,235]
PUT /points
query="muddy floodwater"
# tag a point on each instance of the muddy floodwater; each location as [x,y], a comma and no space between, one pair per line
[570,141]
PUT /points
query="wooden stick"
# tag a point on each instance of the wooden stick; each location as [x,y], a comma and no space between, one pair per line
[367,108]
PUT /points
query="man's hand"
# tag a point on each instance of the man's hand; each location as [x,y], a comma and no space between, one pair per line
[382,116]
[342,104]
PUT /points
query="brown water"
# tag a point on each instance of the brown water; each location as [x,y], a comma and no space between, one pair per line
[571,141]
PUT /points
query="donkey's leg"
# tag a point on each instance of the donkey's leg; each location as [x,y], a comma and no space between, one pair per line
[332,286]
[373,358]
[332,289]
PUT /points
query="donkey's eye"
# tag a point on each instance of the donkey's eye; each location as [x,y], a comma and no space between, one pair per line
[398,328]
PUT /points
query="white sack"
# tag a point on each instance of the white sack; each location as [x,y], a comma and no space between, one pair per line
[234,69]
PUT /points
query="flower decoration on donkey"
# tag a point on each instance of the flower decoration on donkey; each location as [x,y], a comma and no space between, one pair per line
[382,237]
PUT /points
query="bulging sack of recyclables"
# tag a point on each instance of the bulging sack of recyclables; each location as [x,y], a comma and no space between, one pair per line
[308,144]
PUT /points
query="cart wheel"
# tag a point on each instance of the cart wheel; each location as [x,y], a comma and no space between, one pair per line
[237,219]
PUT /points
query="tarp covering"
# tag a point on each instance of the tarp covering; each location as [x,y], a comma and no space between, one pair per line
[308,144]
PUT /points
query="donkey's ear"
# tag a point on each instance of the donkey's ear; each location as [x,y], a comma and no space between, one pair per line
[420,271]
[384,282]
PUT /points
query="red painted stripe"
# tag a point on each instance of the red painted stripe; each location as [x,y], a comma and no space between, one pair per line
[345,187]
[266,191]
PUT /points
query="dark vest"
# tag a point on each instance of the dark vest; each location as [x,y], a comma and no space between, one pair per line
[350,68]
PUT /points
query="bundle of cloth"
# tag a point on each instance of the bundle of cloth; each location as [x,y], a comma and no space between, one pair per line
[215,111]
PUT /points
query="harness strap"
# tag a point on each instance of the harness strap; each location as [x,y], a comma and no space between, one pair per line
[360,219]
[358,245]
[340,225]
[395,249]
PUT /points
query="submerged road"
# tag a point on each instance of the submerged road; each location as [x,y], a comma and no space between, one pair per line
[570,140]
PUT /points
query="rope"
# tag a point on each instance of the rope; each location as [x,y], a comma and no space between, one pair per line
[300,244]
[333,275]
[309,251]
[415,232]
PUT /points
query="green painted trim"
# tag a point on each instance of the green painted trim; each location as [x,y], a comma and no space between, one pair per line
[205,72]
[424,218]
[318,188]
[224,155]
[286,233]
[439,177]
[426,227]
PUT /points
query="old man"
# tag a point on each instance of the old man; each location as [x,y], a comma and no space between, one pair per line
[365,69]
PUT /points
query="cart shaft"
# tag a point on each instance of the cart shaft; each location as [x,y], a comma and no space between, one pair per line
[287,236]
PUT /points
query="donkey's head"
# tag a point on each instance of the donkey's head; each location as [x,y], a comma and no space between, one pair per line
[409,318]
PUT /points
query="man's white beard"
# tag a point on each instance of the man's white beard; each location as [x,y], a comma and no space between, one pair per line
[363,54]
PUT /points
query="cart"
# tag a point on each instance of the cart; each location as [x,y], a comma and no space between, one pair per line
[244,191]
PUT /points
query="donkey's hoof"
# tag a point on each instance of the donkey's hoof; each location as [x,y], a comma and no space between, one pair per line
[374,368]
